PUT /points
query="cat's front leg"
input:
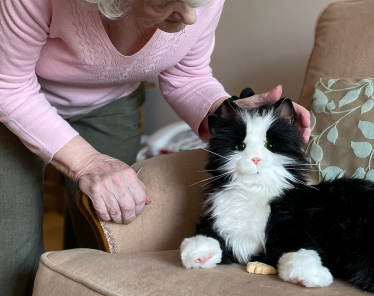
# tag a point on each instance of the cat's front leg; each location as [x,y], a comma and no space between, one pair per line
[200,252]
[304,267]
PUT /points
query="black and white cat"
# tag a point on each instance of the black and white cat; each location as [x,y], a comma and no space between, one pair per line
[260,207]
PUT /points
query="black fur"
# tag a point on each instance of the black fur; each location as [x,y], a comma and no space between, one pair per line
[336,219]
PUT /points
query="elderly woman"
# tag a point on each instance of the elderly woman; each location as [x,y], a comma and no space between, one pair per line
[70,95]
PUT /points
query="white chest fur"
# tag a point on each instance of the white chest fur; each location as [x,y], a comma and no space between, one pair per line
[240,216]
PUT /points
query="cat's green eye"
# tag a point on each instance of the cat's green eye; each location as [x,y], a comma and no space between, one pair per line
[269,145]
[240,147]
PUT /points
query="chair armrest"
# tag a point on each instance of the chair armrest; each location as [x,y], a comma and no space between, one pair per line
[85,206]
[175,207]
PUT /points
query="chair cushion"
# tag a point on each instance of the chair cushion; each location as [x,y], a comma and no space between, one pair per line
[344,40]
[92,272]
[343,129]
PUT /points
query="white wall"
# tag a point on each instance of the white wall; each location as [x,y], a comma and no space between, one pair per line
[260,44]
[263,43]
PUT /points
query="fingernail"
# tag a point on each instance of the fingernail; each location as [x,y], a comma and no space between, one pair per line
[147,201]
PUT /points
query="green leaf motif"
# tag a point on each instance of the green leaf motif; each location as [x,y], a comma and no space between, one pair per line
[367,106]
[367,129]
[359,173]
[369,90]
[332,172]
[330,106]
[308,159]
[364,81]
[319,101]
[316,152]
[361,149]
[313,120]
[370,175]
[332,135]
[349,97]
[331,82]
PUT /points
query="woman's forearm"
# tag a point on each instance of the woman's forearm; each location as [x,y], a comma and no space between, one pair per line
[75,154]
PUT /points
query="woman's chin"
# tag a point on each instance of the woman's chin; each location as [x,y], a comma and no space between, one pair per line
[170,27]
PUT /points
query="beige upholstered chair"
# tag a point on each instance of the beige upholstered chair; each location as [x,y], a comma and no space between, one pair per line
[145,258]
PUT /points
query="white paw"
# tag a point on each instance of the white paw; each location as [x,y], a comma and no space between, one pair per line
[304,267]
[200,252]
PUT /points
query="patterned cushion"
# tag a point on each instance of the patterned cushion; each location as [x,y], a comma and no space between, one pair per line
[342,122]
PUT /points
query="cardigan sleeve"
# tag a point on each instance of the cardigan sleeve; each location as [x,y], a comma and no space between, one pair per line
[189,87]
[24,110]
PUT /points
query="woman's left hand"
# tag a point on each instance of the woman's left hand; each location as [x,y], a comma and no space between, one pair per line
[269,98]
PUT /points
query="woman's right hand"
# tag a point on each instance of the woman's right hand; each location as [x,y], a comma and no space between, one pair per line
[114,188]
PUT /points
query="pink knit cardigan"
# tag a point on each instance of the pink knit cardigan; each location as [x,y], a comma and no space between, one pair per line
[56,61]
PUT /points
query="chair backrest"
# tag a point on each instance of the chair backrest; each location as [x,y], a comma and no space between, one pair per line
[344,45]
[173,212]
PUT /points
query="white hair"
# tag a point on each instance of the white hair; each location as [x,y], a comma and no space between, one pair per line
[113,9]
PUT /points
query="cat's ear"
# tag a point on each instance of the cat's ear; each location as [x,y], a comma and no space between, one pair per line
[228,109]
[285,109]
[246,93]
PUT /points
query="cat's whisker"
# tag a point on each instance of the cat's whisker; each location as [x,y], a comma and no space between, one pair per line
[214,177]
[298,166]
[309,164]
[215,153]
[301,164]
[211,181]
[300,182]
[301,167]
[303,170]
[202,181]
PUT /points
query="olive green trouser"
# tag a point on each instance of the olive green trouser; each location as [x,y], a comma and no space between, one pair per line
[113,129]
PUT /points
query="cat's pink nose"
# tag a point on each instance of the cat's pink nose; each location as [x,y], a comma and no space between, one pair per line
[256,160]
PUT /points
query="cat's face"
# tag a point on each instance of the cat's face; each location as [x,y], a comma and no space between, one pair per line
[260,146]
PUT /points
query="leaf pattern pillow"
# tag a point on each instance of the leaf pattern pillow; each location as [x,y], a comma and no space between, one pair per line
[342,122]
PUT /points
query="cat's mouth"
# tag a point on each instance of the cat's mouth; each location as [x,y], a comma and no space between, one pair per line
[248,169]
[249,172]
[256,172]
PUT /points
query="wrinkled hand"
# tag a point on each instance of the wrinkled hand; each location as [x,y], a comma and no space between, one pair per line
[303,117]
[114,188]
